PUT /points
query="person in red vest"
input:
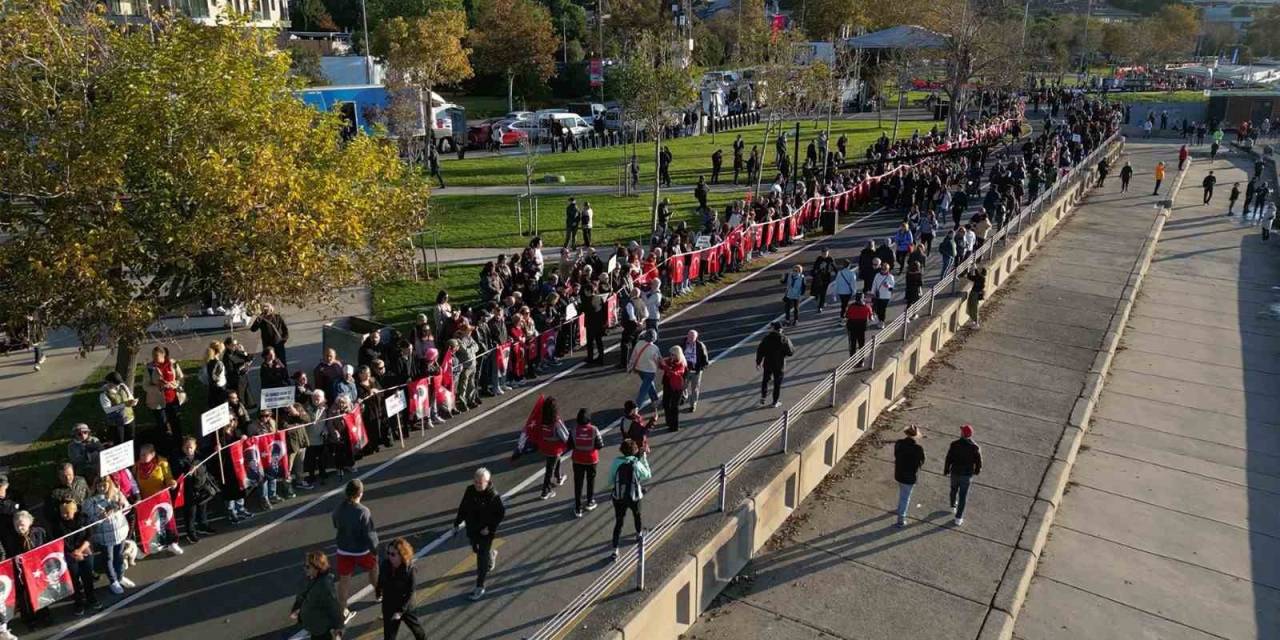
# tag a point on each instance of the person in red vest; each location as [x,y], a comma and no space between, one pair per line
[587,444]
[553,441]
[1182,157]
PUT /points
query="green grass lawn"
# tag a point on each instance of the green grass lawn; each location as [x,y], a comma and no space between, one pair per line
[31,471]
[1143,97]
[490,221]
[692,155]
[398,302]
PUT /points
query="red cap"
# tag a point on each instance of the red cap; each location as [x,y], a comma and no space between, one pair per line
[966,431]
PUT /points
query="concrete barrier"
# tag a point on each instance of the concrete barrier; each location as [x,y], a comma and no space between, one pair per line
[673,606]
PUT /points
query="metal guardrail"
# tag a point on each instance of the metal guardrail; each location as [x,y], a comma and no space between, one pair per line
[717,482]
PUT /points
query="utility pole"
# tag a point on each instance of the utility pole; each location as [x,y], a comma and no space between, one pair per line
[368,60]
[564,34]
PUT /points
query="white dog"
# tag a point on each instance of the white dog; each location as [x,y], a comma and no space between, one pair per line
[130,553]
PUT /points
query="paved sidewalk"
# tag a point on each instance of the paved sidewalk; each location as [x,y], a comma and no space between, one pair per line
[1171,528]
[839,567]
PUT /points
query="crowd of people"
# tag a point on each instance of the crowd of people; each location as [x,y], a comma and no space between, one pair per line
[531,314]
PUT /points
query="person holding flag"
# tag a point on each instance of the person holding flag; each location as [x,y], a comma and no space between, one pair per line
[73,526]
[198,488]
[154,476]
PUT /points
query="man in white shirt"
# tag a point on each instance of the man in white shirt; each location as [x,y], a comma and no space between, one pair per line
[882,290]
[653,305]
[645,359]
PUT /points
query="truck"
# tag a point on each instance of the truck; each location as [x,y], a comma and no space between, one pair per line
[363,107]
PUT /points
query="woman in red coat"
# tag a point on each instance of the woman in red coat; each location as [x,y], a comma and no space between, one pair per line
[553,442]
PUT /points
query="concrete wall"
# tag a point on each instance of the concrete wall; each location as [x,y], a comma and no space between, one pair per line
[674,605]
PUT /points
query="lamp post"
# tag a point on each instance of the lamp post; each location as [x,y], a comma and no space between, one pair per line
[368,59]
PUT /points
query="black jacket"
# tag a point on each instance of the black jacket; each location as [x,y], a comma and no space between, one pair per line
[964,458]
[703,357]
[480,510]
[774,351]
[396,587]
[908,457]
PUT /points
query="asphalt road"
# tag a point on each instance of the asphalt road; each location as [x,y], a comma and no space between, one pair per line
[240,583]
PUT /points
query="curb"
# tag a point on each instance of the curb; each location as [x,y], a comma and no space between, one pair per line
[1012,590]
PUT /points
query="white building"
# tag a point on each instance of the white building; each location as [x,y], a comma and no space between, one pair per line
[272,14]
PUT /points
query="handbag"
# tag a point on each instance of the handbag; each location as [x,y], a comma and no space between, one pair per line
[182,396]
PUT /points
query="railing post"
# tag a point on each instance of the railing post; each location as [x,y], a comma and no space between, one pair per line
[933,295]
[833,389]
[640,566]
[874,340]
[906,322]
[724,483]
[786,429]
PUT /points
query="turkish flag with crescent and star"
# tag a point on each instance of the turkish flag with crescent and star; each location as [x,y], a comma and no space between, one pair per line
[44,570]
[420,398]
[157,526]
[8,589]
[273,454]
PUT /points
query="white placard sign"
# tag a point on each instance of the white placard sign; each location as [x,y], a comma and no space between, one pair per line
[395,403]
[115,458]
[214,419]
[276,398]
[702,242]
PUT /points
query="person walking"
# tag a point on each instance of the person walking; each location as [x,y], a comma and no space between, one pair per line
[645,359]
[856,317]
[1232,197]
[1183,154]
[587,221]
[947,251]
[1268,218]
[1126,174]
[587,443]
[433,164]
[792,292]
[553,441]
[483,510]
[771,357]
[738,146]
[964,460]
[357,541]
[627,474]
[846,283]
[396,581]
[1159,175]
[317,609]
[1104,168]
[978,276]
[697,359]
[882,293]
[908,457]
[673,368]
[903,240]
[1209,182]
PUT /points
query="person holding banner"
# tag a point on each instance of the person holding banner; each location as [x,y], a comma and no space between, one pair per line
[73,526]
[198,488]
[107,507]
[234,484]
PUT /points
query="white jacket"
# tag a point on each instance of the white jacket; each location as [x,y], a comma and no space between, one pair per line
[882,286]
[645,357]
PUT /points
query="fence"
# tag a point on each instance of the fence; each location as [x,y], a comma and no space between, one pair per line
[777,434]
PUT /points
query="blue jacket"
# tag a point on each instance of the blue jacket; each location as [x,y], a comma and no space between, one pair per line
[903,240]
[846,281]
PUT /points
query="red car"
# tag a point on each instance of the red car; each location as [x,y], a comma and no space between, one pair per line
[480,136]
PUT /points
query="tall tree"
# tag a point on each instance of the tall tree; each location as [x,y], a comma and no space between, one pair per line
[422,53]
[654,88]
[824,19]
[984,42]
[514,38]
[142,169]
[1263,35]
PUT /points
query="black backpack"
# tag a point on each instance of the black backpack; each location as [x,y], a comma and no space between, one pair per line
[625,486]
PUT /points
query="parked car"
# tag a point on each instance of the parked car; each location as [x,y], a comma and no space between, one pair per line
[480,134]
[518,115]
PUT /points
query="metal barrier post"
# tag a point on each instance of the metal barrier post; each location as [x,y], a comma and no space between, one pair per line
[724,482]
[640,566]
[833,389]
[906,322]
[786,429]
[874,340]
[933,295]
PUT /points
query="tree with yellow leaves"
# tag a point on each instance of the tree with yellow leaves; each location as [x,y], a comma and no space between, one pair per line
[142,169]
[422,53]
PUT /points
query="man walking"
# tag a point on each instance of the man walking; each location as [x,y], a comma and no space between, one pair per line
[1159,175]
[571,219]
[738,145]
[696,360]
[482,509]
[1126,174]
[1232,197]
[645,359]
[908,457]
[856,317]
[1208,184]
[964,460]
[356,539]
[793,291]
[771,357]
[717,161]
[882,292]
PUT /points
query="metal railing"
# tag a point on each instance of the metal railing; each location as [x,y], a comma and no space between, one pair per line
[717,482]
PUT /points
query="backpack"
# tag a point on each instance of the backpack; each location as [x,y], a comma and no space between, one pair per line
[625,484]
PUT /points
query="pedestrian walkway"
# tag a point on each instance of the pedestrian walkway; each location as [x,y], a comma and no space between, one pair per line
[840,568]
[1171,528]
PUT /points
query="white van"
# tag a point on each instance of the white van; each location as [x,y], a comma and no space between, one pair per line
[570,122]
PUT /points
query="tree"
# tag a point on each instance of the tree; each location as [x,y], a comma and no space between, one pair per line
[512,38]
[305,64]
[142,169]
[422,53]
[654,88]
[983,43]
[315,16]
[1171,33]
[824,19]
[1263,35]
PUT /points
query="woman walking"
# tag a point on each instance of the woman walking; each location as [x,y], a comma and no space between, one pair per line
[553,441]
[627,474]
[316,609]
[395,589]
[673,369]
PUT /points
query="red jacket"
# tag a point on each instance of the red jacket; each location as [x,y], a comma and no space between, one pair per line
[587,444]
[553,439]
[858,313]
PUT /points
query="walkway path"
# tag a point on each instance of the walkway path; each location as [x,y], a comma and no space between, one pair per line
[839,568]
[1171,527]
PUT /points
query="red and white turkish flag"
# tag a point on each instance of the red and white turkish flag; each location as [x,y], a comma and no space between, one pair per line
[235,451]
[356,434]
[44,570]
[8,589]
[273,452]
[157,526]
[420,398]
